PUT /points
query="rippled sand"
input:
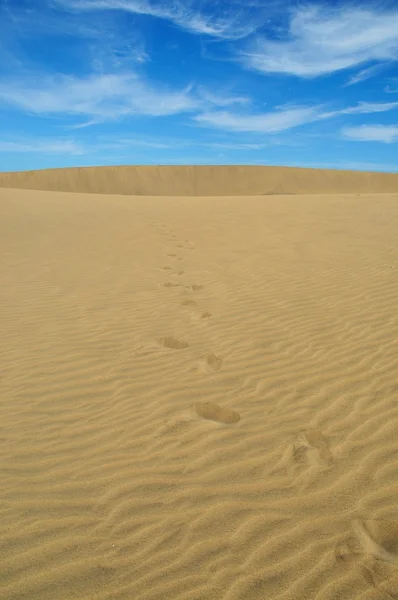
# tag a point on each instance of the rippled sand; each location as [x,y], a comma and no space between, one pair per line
[199,397]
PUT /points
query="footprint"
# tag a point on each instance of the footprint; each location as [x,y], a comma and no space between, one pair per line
[373,545]
[180,273]
[188,302]
[205,315]
[210,363]
[194,287]
[177,423]
[171,254]
[167,268]
[201,316]
[214,412]
[172,343]
[311,446]
[169,284]
[378,538]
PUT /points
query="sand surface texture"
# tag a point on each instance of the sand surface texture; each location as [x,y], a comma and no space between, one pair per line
[199,397]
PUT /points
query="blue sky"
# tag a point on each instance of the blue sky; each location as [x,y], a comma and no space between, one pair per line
[94,82]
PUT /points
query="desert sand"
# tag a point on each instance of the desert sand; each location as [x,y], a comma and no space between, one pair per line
[199,393]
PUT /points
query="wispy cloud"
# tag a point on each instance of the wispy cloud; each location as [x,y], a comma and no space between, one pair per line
[369,108]
[98,97]
[104,97]
[234,146]
[321,40]
[284,118]
[230,20]
[216,98]
[365,74]
[372,133]
[391,89]
[272,122]
[43,146]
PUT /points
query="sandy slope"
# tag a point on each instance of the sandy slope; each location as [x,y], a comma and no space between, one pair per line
[198,397]
[201,180]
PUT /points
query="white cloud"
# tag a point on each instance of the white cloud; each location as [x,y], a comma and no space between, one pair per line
[272,122]
[42,146]
[97,96]
[232,22]
[372,133]
[365,74]
[369,107]
[234,146]
[322,40]
[391,90]
[221,99]
[283,118]
[100,97]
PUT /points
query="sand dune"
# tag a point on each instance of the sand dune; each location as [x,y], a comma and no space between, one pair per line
[198,398]
[201,181]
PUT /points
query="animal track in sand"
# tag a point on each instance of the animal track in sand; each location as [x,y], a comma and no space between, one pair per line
[194,287]
[171,254]
[169,284]
[214,412]
[167,268]
[312,447]
[172,343]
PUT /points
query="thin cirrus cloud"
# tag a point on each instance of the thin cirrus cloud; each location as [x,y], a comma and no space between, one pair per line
[100,97]
[390,89]
[283,119]
[367,73]
[106,97]
[232,22]
[372,133]
[367,108]
[272,122]
[42,146]
[221,99]
[322,40]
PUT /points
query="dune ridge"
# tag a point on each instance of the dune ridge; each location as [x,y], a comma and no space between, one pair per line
[201,180]
[198,398]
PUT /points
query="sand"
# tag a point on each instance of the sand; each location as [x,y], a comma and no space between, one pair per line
[201,180]
[199,396]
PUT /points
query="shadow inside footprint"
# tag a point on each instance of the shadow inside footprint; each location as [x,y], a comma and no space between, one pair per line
[312,446]
[214,412]
[172,343]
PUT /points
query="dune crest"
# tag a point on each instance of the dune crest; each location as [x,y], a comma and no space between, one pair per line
[201,180]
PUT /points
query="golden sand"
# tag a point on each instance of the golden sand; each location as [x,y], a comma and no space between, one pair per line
[201,180]
[199,395]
